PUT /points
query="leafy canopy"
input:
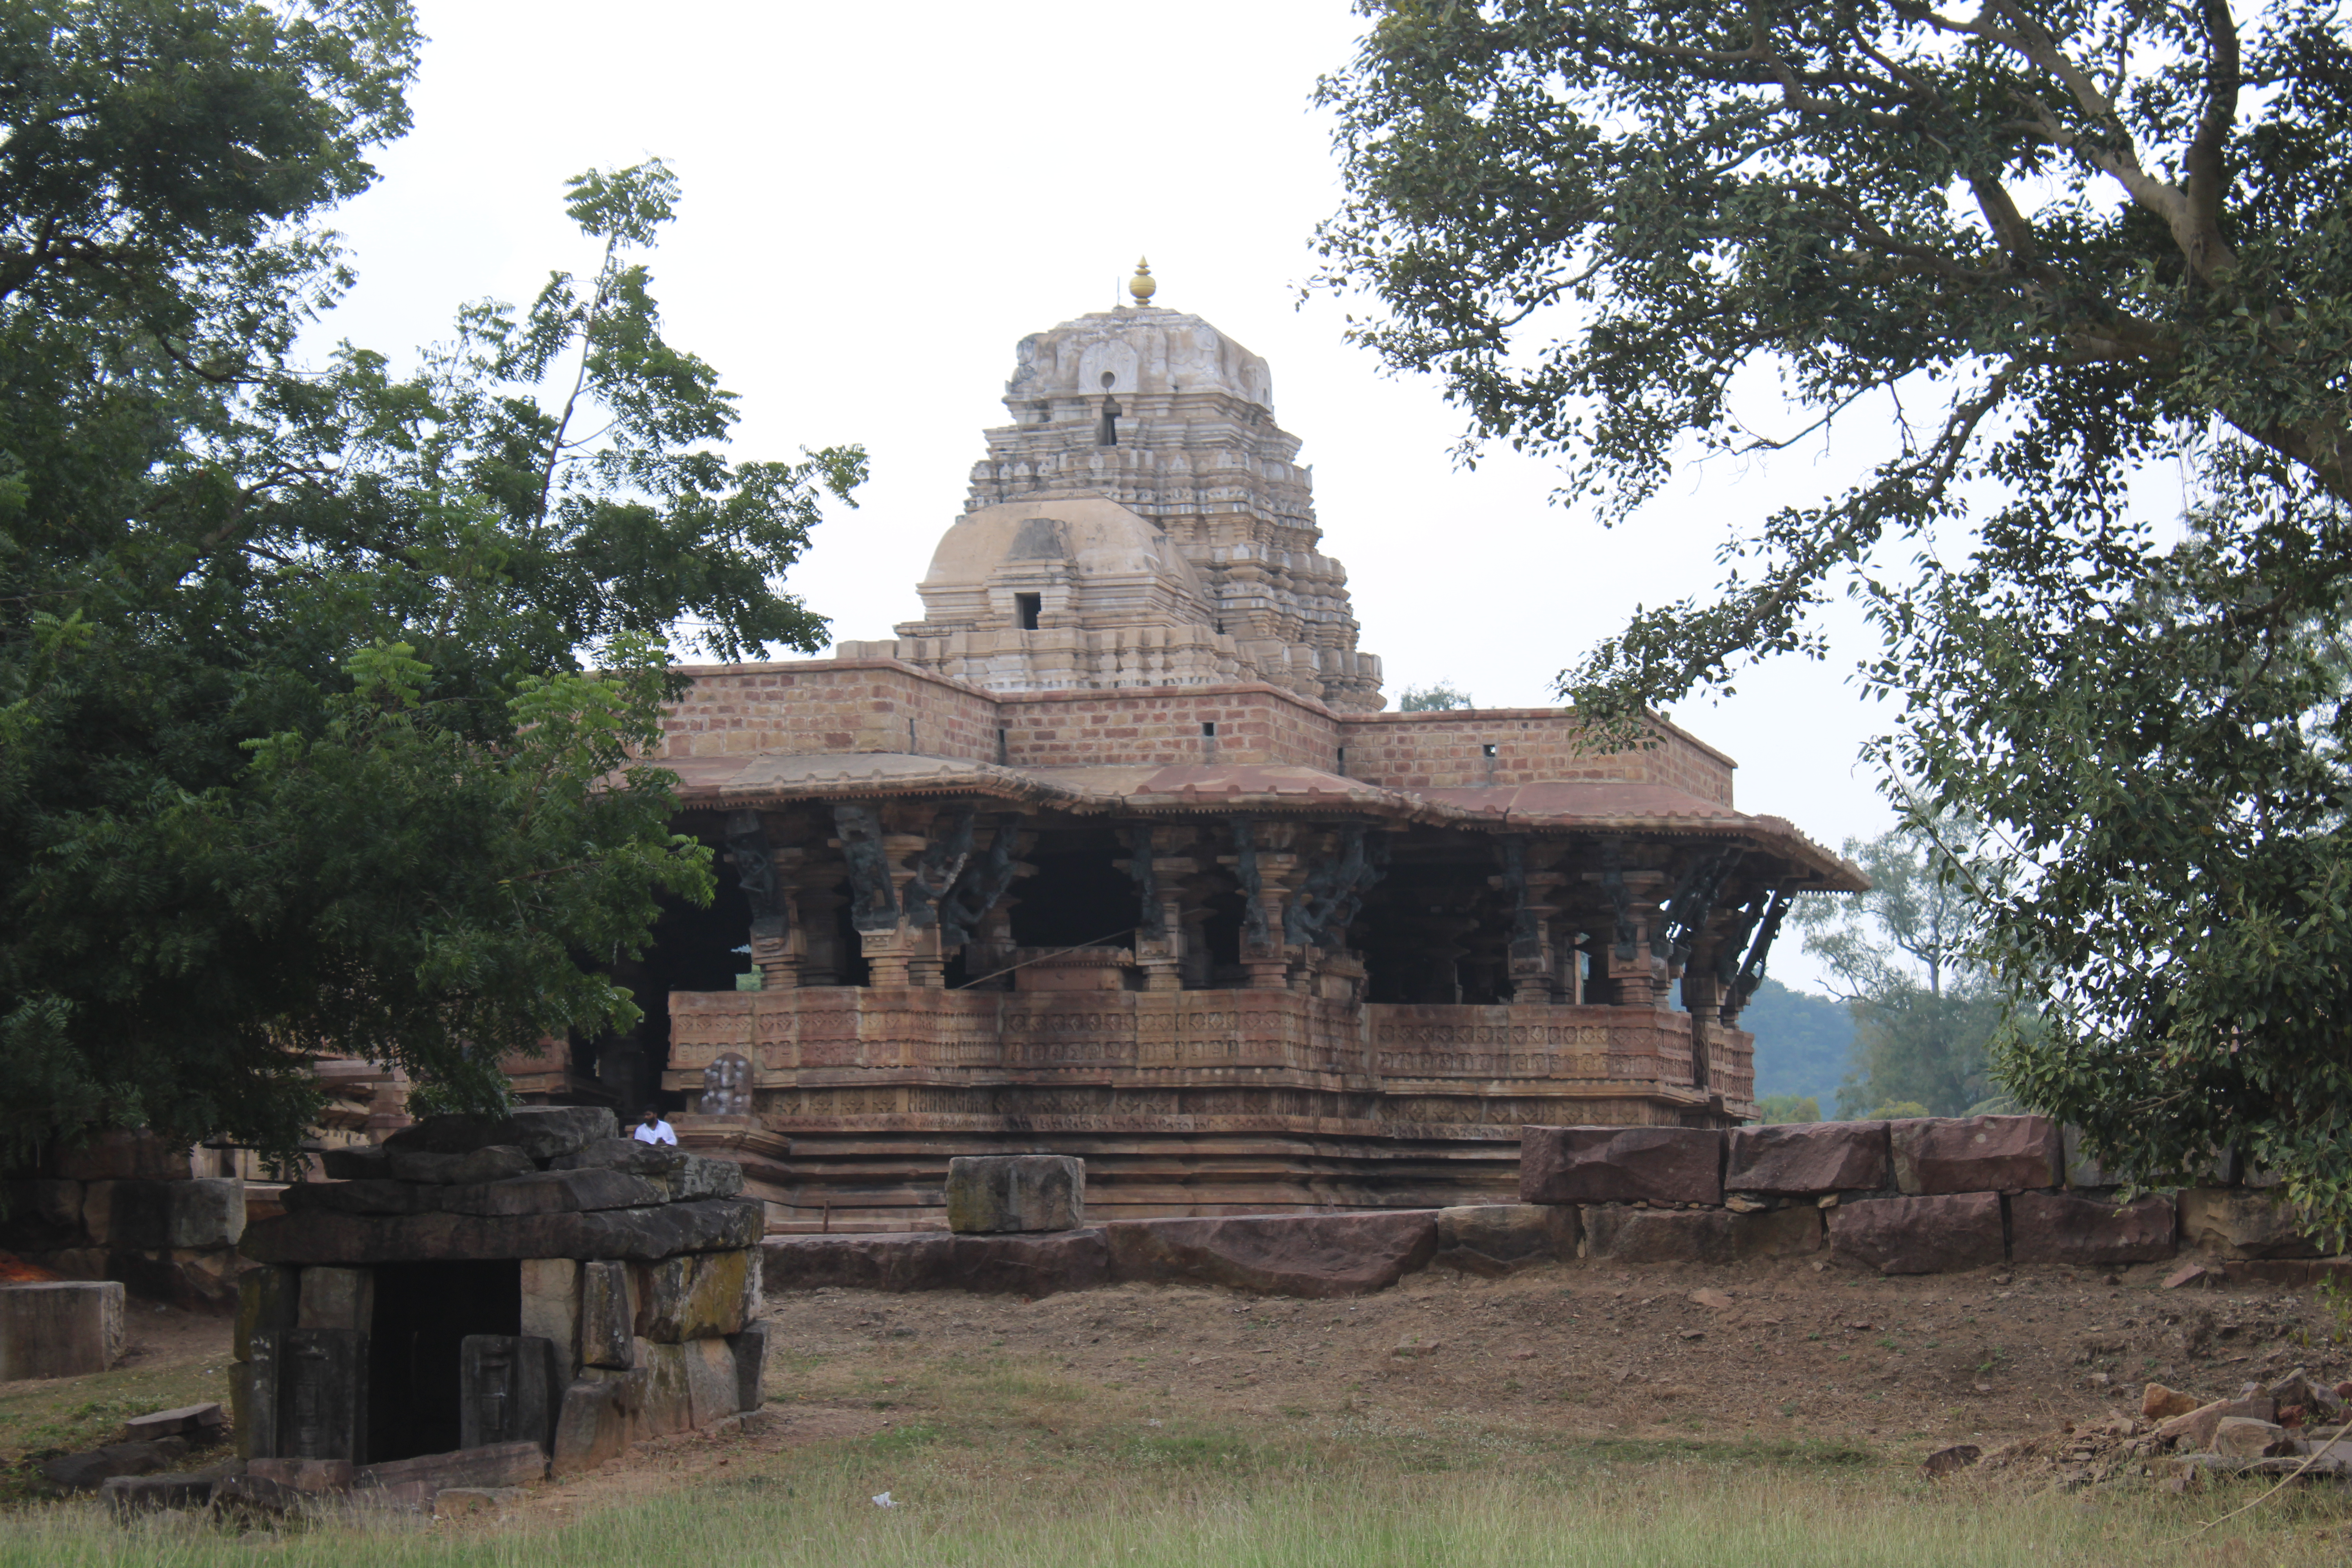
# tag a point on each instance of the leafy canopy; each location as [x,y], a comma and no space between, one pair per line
[2035,250]
[301,749]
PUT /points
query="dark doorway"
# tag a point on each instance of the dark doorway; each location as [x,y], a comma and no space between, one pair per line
[422,1312]
[1078,895]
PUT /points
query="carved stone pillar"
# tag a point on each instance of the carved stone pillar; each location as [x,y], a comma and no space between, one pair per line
[816,925]
[760,871]
[1635,964]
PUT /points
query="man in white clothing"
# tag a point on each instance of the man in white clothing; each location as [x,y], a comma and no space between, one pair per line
[653,1128]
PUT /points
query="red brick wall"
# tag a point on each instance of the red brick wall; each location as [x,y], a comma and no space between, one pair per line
[829,705]
[1532,745]
[864,705]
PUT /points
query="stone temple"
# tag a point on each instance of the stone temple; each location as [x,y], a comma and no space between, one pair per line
[1115,854]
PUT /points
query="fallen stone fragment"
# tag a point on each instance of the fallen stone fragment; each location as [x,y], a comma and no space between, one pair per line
[457,1502]
[2240,1222]
[304,1475]
[2187,1274]
[2243,1438]
[2319,1400]
[2162,1403]
[200,1424]
[2195,1430]
[84,1472]
[495,1464]
[1944,1461]
[990,1194]
[127,1495]
[1713,1300]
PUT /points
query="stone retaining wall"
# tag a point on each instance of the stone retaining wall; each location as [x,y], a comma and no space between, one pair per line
[127,1206]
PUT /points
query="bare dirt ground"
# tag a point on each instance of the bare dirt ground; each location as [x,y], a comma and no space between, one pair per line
[1786,1350]
[1774,1352]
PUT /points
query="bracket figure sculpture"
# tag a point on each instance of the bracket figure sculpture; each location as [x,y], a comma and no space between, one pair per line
[982,886]
[874,902]
[1334,891]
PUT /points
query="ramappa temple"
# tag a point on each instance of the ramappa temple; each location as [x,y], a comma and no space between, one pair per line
[1115,854]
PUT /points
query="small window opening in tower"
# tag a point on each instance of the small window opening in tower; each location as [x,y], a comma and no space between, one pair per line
[1027,608]
[1107,432]
[1342,768]
[1004,746]
[1044,414]
[1490,748]
[1209,732]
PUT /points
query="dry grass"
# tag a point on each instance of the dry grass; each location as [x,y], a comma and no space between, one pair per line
[999,1460]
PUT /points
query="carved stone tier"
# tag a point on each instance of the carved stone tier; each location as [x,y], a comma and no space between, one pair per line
[1178,1101]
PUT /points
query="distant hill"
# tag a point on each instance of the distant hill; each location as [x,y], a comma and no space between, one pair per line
[1801,1042]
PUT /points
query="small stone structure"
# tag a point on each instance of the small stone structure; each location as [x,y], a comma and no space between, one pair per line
[476,1283]
[61,1328]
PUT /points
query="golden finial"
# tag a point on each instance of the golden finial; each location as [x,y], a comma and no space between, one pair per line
[1140,285]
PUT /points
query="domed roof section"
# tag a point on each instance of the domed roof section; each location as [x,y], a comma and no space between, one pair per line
[1138,350]
[1087,537]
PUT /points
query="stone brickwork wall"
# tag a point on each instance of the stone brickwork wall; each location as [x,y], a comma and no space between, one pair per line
[127,1206]
[1532,745]
[861,705]
[1920,1195]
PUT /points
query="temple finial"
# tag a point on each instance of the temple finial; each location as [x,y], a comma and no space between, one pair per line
[1141,285]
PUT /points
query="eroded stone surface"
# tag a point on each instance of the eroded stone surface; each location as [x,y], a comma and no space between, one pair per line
[553,1191]
[543,1132]
[1931,1235]
[1621,1164]
[639,1234]
[494,1163]
[993,1194]
[2062,1227]
[700,1295]
[66,1328]
[1975,1154]
[2241,1222]
[1807,1158]
[1289,1255]
[608,1313]
[1495,1239]
[551,1307]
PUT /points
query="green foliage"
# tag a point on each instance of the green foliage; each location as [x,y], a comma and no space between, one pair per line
[1438,696]
[2045,250]
[1803,1041]
[1777,1108]
[1924,1017]
[1893,1111]
[299,752]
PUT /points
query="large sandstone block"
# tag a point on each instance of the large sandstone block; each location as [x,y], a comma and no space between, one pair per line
[543,1132]
[550,1308]
[608,1314]
[337,1298]
[62,1328]
[1936,1235]
[697,1297]
[268,1302]
[2060,1227]
[494,1465]
[360,1196]
[668,1400]
[641,1235]
[591,1428]
[1281,1254]
[1034,1266]
[1495,1239]
[749,1350]
[356,1162]
[42,1214]
[710,1381]
[2241,1222]
[1807,1158]
[1627,1235]
[1620,1165]
[551,1192]
[495,1163]
[992,1194]
[1975,1154]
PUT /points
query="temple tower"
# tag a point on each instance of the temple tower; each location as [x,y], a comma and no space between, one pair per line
[1142,522]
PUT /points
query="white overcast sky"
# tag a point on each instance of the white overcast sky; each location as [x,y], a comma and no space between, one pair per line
[881,200]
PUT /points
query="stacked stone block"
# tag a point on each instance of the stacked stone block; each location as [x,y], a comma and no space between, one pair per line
[127,1206]
[1918,1195]
[637,1270]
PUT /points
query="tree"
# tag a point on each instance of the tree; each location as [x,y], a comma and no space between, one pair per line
[2039,252]
[1924,1017]
[1803,1041]
[1776,1108]
[299,747]
[1438,696]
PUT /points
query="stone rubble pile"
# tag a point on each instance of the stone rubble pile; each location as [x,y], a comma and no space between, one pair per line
[2295,1425]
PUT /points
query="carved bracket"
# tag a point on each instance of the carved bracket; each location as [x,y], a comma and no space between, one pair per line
[755,872]
[874,902]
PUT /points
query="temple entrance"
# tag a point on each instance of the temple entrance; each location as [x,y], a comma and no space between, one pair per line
[423,1313]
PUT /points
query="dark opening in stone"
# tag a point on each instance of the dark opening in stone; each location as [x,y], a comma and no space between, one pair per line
[423,1313]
